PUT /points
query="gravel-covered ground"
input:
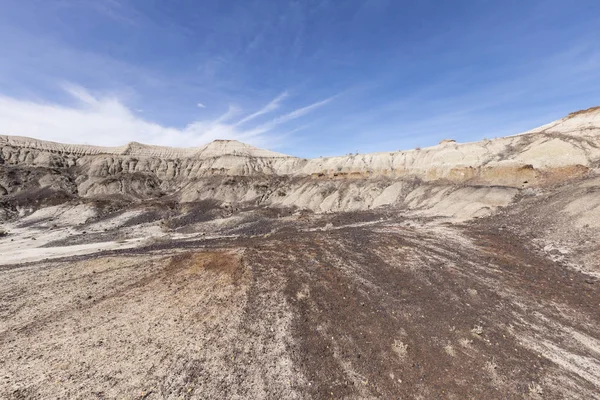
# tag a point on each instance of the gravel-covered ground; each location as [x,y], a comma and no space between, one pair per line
[359,305]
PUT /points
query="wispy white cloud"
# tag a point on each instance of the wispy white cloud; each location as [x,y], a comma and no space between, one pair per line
[268,126]
[79,93]
[301,111]
[107,121]
[232,112]
[272,106]
[200,105]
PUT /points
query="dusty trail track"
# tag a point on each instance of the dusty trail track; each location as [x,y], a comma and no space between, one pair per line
[375,311]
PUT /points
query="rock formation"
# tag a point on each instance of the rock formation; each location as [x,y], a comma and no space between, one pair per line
[485,174]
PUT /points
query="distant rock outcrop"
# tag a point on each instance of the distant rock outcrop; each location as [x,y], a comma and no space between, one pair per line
[447,141]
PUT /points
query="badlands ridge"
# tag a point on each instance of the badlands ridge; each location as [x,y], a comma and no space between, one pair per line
[490,172]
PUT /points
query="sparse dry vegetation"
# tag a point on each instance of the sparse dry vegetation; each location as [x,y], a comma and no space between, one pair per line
[477,330]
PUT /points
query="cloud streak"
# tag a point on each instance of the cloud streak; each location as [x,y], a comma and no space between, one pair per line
[272,106]
[107,121]
[300,112]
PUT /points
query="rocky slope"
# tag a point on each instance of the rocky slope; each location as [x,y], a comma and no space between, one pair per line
[168,300]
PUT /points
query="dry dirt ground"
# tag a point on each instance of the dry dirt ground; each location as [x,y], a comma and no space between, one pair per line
[281,306]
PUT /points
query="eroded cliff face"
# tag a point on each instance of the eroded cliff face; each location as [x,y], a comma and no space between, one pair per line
[468,179]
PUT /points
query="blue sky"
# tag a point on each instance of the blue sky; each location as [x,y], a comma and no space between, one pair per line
[306,77]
